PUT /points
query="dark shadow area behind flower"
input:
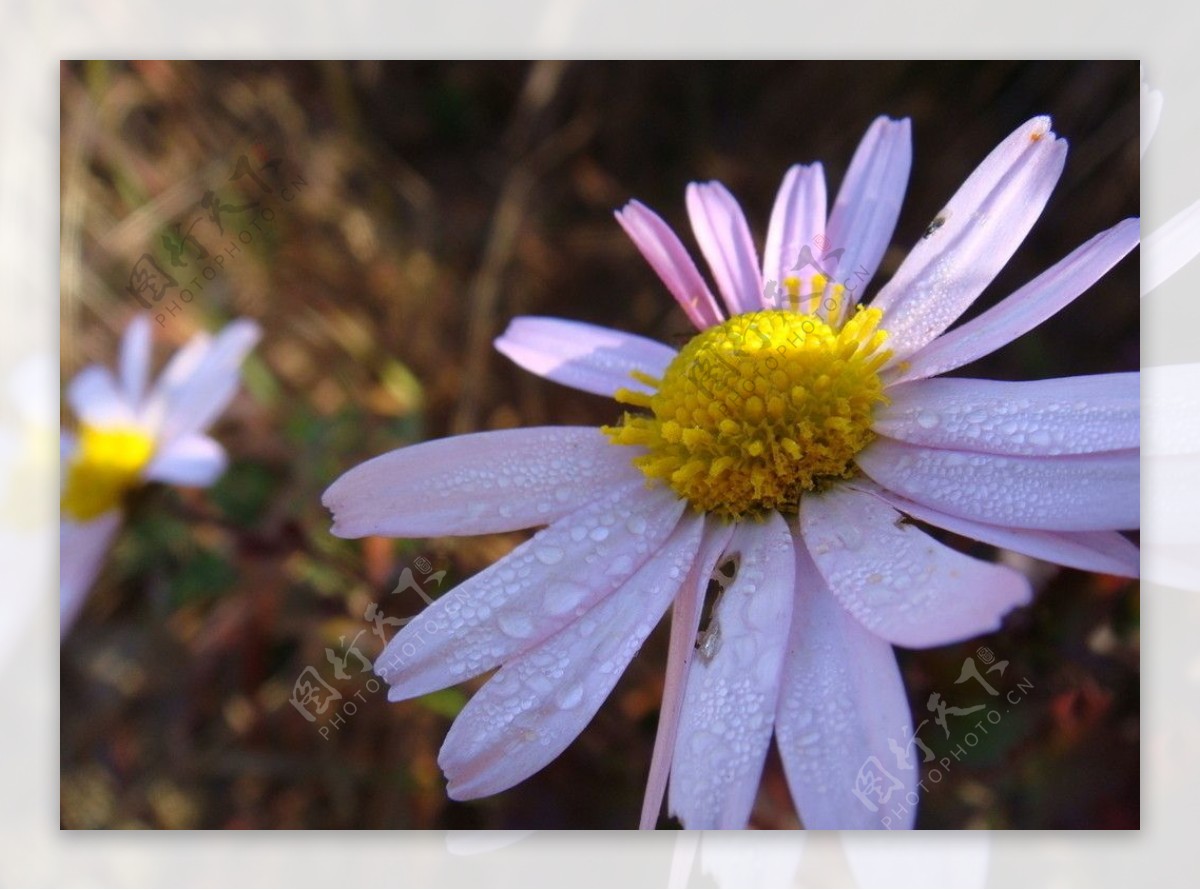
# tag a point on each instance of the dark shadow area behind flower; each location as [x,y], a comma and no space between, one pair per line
[415,209]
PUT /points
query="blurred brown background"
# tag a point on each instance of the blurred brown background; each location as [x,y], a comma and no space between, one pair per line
[430,203]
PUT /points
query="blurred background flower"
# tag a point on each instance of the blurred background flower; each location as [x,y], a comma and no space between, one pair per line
[381,223]
[131,431]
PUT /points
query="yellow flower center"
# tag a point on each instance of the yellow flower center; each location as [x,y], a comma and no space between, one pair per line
[756,411]
[105,466]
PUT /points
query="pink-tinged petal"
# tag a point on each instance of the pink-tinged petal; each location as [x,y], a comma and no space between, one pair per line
[730,699]
[685,625]
[478,484]
[669,258]
[725,240]
[97,399]
[1106,551]
[975,234]
[584,356]
[537,703]
[900,583]
[797,220]
[868,203]
[192,460]
[1171,396]
[135,358]
[1170,247]
[1068,415]
[189,402]
[82,549]
[542,586]
[1074,492]
[1025,309]
[842,706]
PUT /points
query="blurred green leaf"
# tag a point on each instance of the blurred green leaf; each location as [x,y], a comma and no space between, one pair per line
[244,492]
[259,381]
[206,575]
[445,703]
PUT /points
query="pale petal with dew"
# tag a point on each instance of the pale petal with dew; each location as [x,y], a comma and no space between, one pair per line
[900,583]
[729,701]
[583,356]
[542,586]
[477,484]
[1107,552]
[537,703]
[724,237]
[864,214]
[1074,492]
[667,256]
[1068,415]
[841,702]
[971,238]
[685,625]
[1025,308]
[797,221]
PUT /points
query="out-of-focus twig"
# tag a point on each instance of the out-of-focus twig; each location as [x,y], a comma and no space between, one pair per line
[512,204]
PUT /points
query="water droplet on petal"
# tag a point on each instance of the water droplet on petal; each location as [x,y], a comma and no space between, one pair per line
[515,624]
[850,537]
[622,565]
[927,420]
[548,555]
[562,598]
[1040,438]
[569,698]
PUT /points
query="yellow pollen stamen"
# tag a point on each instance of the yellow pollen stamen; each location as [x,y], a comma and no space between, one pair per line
[756,411]
[105,466]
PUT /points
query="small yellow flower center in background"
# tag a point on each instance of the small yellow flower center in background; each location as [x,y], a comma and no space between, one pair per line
[105,466]
[756,411]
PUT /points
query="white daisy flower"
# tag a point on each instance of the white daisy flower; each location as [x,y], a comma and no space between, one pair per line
[789,439]
[131,433]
